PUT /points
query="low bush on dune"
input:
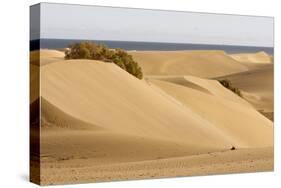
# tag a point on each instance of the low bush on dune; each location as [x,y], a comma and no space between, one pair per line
[91,50]
[227,84]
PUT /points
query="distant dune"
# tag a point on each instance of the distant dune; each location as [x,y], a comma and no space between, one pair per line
[196,63]
[259,57]
[98,122]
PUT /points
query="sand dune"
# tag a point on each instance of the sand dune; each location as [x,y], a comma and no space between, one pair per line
[34,82]
[53,117]
[126,100]
[46,56]
[196,63]
[256,86]
[34,57]
[259,57]
[107,96]
[40,57]
[100,123]
[180,80]
[219,111]
[208,86]
[255,66]
[34,109]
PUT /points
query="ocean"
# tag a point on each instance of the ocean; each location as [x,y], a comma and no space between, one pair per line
[129,45]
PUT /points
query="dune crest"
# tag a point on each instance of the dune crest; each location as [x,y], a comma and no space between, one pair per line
[197,63]
[216,89]
[53,117]
[259,57]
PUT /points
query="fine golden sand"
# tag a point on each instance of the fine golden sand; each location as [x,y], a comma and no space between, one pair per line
[99,123]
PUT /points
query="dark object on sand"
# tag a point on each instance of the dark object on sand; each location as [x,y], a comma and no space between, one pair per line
[232,148]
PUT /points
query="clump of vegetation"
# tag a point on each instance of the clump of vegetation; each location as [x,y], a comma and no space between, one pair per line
[91,50]
[226,83]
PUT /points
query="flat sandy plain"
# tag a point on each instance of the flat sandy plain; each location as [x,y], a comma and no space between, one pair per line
[99,123]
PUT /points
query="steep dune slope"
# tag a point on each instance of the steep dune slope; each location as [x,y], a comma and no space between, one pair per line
[236,120]
[105,95]
[39,58]
[53,117]
[196,63]
[208,86]
[257,86]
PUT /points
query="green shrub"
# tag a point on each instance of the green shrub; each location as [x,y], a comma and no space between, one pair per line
[227,84]
[91,50]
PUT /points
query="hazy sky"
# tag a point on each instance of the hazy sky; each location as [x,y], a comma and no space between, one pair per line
[105,23]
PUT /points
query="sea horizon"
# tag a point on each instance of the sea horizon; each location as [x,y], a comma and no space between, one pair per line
[148,46]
